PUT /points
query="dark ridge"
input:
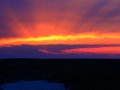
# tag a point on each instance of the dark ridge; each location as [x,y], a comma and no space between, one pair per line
[75,74]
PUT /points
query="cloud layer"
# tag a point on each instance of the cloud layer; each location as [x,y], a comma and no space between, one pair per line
[61,51]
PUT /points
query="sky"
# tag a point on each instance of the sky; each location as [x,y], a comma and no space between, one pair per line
[68,22]
[59,22]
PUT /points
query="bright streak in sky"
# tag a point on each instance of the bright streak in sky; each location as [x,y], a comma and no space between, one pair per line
[66,39]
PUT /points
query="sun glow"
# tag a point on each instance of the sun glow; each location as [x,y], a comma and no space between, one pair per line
[64,39]
[42,29]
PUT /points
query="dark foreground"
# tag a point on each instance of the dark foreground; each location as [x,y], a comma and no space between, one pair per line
[74,74]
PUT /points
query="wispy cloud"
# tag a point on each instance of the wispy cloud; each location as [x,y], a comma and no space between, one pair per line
[98,50]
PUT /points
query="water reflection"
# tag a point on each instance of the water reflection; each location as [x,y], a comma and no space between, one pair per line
[33,85]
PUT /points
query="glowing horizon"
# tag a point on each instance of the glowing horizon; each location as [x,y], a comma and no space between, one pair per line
[37,22]
[98,50]
[66,39]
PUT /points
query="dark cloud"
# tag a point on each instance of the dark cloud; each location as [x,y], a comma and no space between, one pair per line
[29,51]
[6,30]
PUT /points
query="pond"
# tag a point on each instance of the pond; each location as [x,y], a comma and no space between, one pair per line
[33,85]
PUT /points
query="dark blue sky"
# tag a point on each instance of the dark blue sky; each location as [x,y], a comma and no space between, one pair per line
[54,52]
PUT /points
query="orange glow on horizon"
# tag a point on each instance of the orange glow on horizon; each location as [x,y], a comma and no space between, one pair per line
[64,39]
[99,50]
[50,30]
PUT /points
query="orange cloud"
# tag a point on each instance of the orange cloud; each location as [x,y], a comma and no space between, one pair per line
[98,50]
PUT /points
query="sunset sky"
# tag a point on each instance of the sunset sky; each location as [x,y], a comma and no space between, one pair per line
[41,22]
